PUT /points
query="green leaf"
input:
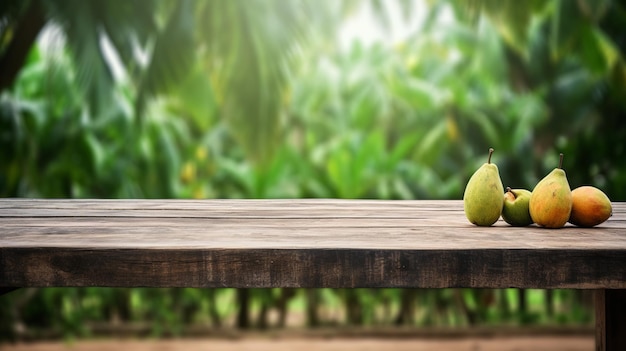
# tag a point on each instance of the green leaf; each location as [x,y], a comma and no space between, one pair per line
[484,123]
[97,151]
[512,20]
[172,57]
[402,149]
[430,146]
[420,94]
[598,52]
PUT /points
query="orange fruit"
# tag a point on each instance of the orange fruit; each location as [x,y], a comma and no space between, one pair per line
[590,206]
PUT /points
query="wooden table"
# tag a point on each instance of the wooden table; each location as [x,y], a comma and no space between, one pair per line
[306,243]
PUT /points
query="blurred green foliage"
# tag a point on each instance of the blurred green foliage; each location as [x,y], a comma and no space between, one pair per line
[240,99]
[72,312]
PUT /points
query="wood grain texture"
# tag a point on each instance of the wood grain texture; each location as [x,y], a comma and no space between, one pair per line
[296,243]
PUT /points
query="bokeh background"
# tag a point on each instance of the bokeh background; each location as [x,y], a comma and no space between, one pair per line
[303,98]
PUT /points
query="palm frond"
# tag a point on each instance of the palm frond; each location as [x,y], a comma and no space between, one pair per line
[249,46]
[173,55]
[85,24]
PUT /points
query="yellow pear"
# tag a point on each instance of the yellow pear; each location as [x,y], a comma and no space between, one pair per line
[551,201]
[483,199]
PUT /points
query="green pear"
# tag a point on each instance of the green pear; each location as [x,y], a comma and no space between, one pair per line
[482,199]
[515,210]
[551,201]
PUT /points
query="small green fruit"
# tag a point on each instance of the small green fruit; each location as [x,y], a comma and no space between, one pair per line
[515,210]
[482,199]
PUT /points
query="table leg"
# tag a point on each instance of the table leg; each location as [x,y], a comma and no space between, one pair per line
[4,290]
[610,319]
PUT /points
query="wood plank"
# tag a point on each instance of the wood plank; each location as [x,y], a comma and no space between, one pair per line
[304,208]
[294,233]
[228,204]
[295,243]
[334,268]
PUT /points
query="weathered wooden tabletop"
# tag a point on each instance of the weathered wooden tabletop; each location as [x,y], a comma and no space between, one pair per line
[296,243]
[306,243]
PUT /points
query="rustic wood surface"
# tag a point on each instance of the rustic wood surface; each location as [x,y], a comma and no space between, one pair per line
[296,243]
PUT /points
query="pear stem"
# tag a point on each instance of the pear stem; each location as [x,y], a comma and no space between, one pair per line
[490,152]
[509,190]
[561,160]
